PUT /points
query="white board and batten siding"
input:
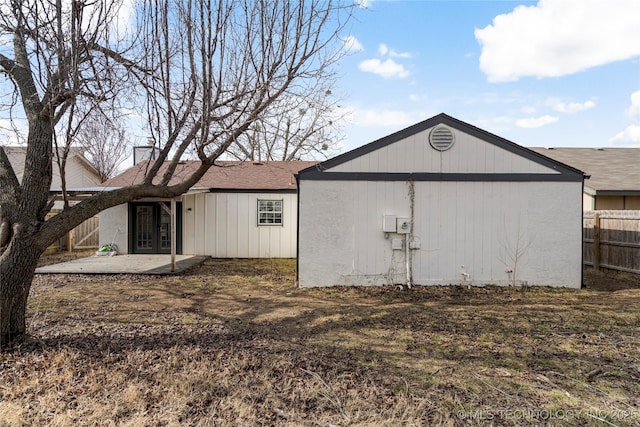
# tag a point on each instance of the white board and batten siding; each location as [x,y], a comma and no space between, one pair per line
[225,225]
[488,199]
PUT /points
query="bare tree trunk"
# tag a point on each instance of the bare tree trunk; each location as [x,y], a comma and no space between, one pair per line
[17,266]
[18,261]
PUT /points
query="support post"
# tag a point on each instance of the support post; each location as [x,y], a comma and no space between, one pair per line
[173,235]
[596,241]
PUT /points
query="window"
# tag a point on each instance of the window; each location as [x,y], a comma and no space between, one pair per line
[269,212]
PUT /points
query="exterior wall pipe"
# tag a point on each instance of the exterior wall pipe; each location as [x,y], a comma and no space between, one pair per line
[407,259]
[409,237]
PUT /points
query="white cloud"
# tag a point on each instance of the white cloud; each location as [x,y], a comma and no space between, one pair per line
[395,54]
[386,69]
[418,97]
[120,16]
[559,37]
[634,109]
[536,122]
[383,50]
[570,107]
[351,44]
[629,136]
[125,15]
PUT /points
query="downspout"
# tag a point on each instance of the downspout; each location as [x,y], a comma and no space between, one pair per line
[582,285]
[297,282]
[408,261]
[409,237]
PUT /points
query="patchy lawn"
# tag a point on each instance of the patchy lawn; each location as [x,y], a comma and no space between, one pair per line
[234,343]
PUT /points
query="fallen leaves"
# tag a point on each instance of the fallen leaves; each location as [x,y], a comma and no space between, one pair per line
[234,343]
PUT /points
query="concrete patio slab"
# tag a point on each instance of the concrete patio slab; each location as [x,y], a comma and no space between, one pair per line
[123,264]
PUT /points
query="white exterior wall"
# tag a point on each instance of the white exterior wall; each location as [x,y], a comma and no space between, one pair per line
[225,225]
[76,174]
[462,229]
[114,222]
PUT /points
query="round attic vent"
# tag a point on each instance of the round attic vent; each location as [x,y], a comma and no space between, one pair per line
[441,138]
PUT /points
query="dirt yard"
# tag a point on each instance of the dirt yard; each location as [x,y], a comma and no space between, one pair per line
[234,343]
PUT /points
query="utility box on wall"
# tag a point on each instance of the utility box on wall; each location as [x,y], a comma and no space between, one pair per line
[396,244]
[389,223]
[403,225]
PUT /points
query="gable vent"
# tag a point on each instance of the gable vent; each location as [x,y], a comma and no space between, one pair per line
[441,138]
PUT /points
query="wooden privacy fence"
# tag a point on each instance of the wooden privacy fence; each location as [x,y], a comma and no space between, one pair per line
[85,236]
[611,239]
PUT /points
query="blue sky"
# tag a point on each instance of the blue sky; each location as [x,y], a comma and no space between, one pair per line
[553,73]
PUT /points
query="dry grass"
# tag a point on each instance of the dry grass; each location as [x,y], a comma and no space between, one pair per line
[234,343]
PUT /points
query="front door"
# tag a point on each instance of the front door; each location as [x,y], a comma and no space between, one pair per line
[151,227]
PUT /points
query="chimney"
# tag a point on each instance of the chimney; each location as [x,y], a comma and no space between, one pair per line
[145,152]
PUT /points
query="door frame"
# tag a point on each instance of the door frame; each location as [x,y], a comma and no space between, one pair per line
[156,215]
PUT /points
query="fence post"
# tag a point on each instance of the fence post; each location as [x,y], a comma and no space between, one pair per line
[596,241]
[70,241]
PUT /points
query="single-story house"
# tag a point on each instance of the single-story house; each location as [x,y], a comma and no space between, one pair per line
[237,210]
[440,202]
[614,182]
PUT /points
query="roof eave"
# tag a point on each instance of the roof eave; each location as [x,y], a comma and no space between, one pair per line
[616,193]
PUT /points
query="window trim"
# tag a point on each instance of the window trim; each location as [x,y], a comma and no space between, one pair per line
[260,211]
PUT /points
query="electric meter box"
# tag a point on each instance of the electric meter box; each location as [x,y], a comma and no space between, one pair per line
[389,223]
[403,225]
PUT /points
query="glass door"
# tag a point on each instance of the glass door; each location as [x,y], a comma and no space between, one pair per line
[143,229]
[164,232]
[150,227]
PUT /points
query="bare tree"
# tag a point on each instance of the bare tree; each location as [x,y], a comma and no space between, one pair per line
[301,127]
[106,144]
[97,130]
[205,71]
[513,248]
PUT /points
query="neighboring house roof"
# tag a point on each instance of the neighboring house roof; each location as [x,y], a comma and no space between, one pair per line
[79,172]
[613,171]
[225,175]
[563,172]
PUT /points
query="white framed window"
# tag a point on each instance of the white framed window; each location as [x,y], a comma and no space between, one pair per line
[269,212]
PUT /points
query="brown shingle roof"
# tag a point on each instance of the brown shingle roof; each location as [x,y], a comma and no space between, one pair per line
[611,169]
[227,175]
